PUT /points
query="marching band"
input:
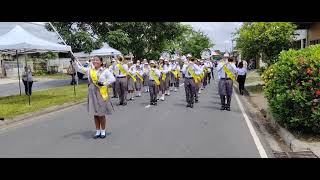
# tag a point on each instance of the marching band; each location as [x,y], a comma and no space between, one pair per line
[128,79]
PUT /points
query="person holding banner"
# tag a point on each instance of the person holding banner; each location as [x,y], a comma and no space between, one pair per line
[98,99]
[226,69]
[154,81]
[131,80]
[121,72]
[191,72]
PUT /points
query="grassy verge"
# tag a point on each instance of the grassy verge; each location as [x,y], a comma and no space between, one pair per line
[54,76]
[253,77]
[11,106]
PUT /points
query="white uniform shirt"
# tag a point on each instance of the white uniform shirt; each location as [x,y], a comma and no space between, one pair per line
[165,69]
[221,73]
[103,74]
[242,71]
[157,72]
[132,70]
[117,71]
[146,69]
[195,67]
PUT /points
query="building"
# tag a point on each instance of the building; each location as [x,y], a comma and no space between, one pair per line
[308,33]
[37,29]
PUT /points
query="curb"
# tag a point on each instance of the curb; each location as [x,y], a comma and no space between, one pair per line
[294,143]
[27,116]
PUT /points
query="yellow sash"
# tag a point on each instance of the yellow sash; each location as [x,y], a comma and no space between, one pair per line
[193,74]
[132,76]
[230,75]
[175,73]
[154,76]
[103,89]
[122,70]
[164,75]
[140,77]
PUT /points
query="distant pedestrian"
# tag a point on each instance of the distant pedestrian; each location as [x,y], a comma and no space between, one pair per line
[241,71]
[27,79]
[72,73]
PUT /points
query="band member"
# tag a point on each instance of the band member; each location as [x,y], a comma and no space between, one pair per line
[173,75]
[98,100]
[145,70]
[177,76]
[121,72]
[111,69]
[164,80]
[226,69]
[154,81]
[131,79]
[139,77]
[191,72]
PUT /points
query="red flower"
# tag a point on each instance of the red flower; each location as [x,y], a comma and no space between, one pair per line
[318,92]
[309,71]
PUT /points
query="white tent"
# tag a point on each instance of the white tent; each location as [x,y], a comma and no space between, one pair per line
[19,41]
[23,41]
[106,50]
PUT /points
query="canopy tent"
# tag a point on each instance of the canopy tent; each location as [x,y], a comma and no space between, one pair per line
[106,50]
[19,41]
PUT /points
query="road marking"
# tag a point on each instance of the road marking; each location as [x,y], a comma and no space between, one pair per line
[253,133]
[147,106]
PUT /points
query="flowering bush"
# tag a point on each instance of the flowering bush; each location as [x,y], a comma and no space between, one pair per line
[292,88]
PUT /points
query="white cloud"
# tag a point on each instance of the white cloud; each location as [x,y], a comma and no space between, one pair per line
[219,32]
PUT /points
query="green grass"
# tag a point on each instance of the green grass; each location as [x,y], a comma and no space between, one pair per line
[253,77]
[256,89]
[11,106]
[54,76]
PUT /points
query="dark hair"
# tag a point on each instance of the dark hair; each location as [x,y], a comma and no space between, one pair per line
[230,59]
[100,58]
[240,65]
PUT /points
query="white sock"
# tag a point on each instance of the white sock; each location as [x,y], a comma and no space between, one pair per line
[103,132]
[98,132]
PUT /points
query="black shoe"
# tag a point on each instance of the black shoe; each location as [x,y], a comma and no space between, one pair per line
[222,108]
[114,97]
[191,105]
[96,136]
[228,108]
[120,104]
[188,105]
[103,136]
[124,104]
[197,101]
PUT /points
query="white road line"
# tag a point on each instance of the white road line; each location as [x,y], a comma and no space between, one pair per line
[147,106]
[256,139]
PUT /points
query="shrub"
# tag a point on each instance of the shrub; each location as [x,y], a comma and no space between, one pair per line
[292,88]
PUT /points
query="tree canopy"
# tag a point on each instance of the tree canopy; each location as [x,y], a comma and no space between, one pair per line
[143,39]
[266,38]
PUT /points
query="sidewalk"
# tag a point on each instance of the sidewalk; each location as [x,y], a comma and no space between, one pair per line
[260,102]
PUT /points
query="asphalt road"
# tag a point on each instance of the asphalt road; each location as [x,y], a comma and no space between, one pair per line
[13,88]
[167,130]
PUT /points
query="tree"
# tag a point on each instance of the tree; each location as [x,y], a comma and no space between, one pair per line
[266,38]
[143,39]
[189,41]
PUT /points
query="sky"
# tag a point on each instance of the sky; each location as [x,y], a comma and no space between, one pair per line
[219,32]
